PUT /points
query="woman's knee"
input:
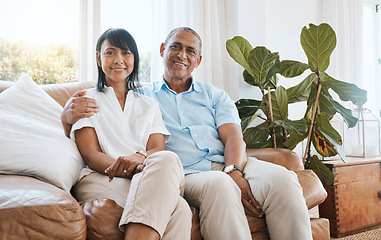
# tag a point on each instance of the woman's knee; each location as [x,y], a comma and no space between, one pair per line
[167,163]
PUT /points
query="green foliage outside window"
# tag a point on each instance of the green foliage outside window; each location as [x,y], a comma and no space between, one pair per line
[44,64]
[49,64]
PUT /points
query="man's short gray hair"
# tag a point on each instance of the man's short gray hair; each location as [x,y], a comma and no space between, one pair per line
[171,33]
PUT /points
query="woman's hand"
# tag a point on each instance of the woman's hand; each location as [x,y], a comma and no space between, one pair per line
[126,166]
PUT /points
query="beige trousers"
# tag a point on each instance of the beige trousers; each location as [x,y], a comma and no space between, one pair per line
[152,197]
[222,215]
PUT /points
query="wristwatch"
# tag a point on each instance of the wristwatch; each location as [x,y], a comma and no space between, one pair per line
[143,153]
[230,168]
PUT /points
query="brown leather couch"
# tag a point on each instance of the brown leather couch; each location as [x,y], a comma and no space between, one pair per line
[32,209]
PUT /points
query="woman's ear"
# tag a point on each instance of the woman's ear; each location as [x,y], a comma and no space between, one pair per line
[98,59]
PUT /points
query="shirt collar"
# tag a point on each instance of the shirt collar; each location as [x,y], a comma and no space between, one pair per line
[163,85]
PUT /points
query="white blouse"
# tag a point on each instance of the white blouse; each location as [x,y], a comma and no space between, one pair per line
[122,133]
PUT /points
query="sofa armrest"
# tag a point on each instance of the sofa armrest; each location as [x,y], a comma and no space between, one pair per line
[313,191]
[280,156]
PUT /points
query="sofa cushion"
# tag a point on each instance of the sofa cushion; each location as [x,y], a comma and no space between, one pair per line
[32,209]
[32,140]
[102,217]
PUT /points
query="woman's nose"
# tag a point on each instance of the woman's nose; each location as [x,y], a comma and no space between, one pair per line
[118,59]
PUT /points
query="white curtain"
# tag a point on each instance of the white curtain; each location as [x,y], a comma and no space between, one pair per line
[345,17]
[207,18]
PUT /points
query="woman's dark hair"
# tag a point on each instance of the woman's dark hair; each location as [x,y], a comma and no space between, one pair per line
[122,39]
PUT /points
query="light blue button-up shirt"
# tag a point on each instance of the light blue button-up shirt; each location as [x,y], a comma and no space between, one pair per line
[192,118]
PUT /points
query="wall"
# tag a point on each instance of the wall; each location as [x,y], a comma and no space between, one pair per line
[275,24]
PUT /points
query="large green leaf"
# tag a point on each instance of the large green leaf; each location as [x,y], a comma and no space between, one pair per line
[311,101]
[261,60]
[271,79]
[249,79]
[279,103]
[257,134]
[299,126]
[325,103]
[272,82]
[239,49]
[318,43]
[301,91]
[348,118]
[245,123]
[294,139]
[291,68]
[322,171]
[327,140]
[346,113]
[339,148]
[346,91]
[247,107]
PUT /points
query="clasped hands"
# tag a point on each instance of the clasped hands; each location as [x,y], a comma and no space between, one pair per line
[126,166]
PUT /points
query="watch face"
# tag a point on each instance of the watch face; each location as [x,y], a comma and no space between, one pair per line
[229,169]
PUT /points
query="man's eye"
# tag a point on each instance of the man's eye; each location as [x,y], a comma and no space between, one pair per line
[175,47]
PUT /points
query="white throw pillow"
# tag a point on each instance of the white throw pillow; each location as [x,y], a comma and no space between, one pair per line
[32,139]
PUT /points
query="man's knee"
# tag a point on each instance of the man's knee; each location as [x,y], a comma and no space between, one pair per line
[221,186]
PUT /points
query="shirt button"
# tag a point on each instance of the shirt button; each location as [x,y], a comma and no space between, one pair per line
[195,135]
[182,112]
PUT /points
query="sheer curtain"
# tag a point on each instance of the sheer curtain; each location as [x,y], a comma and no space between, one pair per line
[207,17]
[345,17]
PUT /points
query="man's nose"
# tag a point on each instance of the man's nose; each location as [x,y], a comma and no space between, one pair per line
[182,54]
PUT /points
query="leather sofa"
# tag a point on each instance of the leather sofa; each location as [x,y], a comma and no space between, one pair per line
[32,209]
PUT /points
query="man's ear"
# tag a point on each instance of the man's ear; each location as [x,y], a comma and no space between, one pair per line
[98,59]
[198,61]
[162,48]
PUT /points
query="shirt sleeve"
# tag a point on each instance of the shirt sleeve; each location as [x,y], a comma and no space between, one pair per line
[226,111]
[81,123]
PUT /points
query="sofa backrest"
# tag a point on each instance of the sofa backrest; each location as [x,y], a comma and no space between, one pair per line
[60,92]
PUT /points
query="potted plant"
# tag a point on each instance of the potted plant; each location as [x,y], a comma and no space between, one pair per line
[261,67]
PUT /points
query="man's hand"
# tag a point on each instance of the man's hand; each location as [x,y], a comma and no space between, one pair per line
[250,205]
[77,107]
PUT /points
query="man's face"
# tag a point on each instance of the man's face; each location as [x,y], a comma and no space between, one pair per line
[181,55]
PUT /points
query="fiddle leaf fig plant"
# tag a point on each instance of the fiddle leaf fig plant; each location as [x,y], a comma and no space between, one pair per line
[275,129]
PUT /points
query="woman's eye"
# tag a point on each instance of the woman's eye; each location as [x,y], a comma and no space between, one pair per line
[127,52]
[109,53]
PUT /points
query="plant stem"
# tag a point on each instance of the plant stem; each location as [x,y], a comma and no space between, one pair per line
[313,119]
[271,116]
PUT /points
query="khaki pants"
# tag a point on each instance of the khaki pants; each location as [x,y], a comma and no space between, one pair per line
[152,197]
[222,214]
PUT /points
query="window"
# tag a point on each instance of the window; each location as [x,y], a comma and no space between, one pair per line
[40,38]
[372,54]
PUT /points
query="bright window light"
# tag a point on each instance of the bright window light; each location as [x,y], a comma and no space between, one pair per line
[40,38]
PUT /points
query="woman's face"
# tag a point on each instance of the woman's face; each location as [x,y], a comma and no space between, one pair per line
[117,64]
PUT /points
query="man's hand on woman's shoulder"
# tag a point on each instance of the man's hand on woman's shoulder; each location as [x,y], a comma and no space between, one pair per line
[77,107]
